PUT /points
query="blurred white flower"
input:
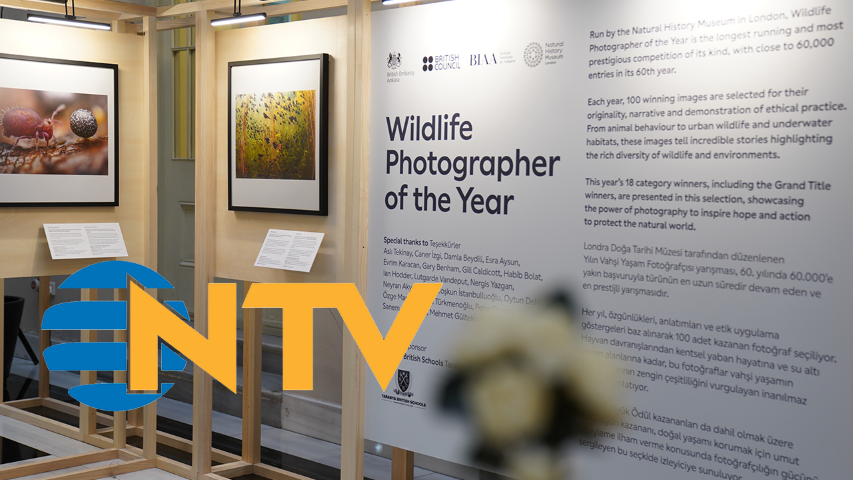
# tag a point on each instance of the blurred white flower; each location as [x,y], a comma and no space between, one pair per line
[489,338]
[533,464]
[548,341]
[529,384]
[509,404]
[593,383]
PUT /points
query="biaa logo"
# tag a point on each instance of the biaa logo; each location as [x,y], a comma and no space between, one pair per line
[156,328]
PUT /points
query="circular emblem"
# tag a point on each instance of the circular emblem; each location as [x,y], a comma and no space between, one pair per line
[533,54]
[114,397]
[394,60]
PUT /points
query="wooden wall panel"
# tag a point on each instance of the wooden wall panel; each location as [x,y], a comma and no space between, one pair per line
[239,235]
[23,246]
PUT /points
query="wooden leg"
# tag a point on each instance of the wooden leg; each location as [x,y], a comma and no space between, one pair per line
[205,199]
[88,419]
[252,354]
[134,417]
[149,431]
[357,155]
[2,339]
[44,336]
[120,418]
[402,464]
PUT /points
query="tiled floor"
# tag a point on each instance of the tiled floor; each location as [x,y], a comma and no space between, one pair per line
[321,452]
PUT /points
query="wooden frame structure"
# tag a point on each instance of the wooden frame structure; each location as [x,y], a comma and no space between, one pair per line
[199,14]
[112,439]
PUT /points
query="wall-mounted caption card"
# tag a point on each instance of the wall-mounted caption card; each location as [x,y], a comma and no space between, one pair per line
[84,240]
[289,250]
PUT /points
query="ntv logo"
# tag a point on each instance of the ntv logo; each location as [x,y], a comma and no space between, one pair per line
[149,322]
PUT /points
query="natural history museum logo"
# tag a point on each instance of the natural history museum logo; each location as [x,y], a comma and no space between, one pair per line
[157,332]
[533,54]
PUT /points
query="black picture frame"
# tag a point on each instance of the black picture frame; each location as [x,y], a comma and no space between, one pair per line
[278,201]
[109,192]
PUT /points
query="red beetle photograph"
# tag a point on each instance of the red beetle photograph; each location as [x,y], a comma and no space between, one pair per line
[47,132]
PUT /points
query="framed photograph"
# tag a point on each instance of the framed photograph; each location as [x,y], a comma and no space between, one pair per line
[58,133]
[277,135]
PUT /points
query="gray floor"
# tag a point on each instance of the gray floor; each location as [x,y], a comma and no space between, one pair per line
[326,453]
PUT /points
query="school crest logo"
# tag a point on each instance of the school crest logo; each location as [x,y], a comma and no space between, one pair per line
[404,379]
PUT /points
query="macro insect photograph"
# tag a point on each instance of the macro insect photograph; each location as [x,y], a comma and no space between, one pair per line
[47,132]
[275,135]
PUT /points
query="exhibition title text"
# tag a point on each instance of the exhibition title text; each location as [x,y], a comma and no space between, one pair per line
[449,127]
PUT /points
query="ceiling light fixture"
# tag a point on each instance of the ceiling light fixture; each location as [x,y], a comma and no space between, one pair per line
[394,2]
[238,16]
[69,20]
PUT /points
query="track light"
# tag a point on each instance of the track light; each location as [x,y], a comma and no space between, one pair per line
[68,23]
[238,19]
[238,16]
[69,20]
[394,2]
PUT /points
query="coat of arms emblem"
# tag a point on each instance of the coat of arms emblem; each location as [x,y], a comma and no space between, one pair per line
[404,378]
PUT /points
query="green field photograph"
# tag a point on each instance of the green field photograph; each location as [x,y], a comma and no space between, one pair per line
[275,135]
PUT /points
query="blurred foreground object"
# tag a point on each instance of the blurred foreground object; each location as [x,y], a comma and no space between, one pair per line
[527,385]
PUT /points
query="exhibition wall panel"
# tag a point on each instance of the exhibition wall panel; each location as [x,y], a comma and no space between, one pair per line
[24,246]
[239,234]
[682,167]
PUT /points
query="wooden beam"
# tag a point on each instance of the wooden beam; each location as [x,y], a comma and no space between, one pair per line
[228,5]
[119,26]
[106,471]
[134,417]
[273,473]
[120,418]
[205,214]
[212,476]
[88,420]
[2,337]
[252,354]
[175,468]
[402,464]
[58,8]
[357,154]
[149,125]
[71,409]
[54,426]
[149,202]
[57,464]
[27,402]
[149,431]
[106,6]
[295,8]
[232,470]
[44,337]
[127,455]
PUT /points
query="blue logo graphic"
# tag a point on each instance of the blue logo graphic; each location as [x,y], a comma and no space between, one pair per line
[106,315]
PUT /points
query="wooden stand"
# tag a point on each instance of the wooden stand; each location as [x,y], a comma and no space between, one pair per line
[26,252]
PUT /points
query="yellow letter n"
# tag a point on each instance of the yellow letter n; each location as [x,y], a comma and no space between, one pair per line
[150,321]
